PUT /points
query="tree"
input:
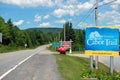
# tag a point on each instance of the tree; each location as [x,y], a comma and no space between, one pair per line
[32,37]
[11,30]
[5,32]
[13,36]
[79,40]
[69,32]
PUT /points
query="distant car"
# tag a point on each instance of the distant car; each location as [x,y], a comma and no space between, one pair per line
[62,50]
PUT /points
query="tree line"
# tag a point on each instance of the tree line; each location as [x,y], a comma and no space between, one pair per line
[13,36]
[76,35]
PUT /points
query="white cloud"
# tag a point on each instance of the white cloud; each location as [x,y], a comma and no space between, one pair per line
[109,18]
[20,22]
[60,21]
[59,12]
[115,4]
[82,25]
[46,24]
[115,7]
[59,2]
[29,3]
[28,22]
[37,18]
[106,1]
[64,7]
[93,1]
[87,5]
[71,1]
[72,9]
[70,19]
[46,16]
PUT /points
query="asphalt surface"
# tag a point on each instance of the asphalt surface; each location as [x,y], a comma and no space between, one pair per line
[37,64]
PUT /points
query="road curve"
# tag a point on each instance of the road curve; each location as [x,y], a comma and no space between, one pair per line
[37,64]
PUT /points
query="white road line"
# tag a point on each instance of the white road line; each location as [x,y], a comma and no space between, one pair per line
[6,73]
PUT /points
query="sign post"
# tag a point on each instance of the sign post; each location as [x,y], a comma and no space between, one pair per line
[102,42]
[25,45]
[111,64]
[91,63]
[71,46]
[1,37]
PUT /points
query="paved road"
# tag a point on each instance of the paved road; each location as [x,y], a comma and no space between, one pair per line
[37,64]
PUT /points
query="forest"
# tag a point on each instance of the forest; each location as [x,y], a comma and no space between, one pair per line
[13,37]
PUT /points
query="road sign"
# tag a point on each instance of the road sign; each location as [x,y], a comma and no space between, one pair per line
[56,44]
[66,44]
[0,37]
[102,41]
[25,45]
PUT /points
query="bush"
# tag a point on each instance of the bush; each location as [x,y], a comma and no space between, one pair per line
[100,75]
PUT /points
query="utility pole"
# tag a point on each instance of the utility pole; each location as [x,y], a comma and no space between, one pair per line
[96,23]
[59,36]
[64,33]
[96,13]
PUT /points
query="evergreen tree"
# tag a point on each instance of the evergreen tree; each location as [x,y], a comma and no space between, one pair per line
[5,32]
[69,32]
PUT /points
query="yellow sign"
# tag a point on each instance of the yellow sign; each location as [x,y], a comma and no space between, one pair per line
[112,27]
[101,53]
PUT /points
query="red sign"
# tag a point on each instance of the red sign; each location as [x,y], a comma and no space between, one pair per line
[66,44]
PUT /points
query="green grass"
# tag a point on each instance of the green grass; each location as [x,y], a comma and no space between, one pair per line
[73,52]
[52,48]
[75,68]
[77,52]
[9,48]
[4,49]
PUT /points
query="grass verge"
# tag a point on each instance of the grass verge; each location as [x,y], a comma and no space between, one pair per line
[4,49]
[76,68]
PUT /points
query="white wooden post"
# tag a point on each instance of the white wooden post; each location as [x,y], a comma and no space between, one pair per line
[71,46]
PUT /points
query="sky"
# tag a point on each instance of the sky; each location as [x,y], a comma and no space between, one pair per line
[54,13]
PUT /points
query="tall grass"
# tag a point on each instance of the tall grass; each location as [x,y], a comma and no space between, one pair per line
[75,68]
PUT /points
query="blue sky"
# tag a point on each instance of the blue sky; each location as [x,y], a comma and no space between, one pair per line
[54,13]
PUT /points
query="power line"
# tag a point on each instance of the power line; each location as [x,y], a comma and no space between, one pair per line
[89,12]
[92,9]
[84,19]
[107,3]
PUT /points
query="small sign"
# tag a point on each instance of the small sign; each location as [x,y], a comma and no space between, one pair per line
[56,44]
[102,41]
[25,45]
[66,44]
[0,37]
